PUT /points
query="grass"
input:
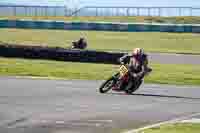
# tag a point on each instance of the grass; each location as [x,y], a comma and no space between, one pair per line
[122,19]
[175,128]
[164,74]
[100,40]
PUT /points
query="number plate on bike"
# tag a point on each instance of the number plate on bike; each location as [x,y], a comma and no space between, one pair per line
[123,70]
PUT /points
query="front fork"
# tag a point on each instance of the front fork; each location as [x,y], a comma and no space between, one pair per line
[121,82]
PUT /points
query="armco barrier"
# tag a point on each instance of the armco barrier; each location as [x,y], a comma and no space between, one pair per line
[100,26]
[60,54]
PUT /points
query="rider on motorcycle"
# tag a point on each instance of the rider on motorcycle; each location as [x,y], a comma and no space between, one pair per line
[137,63]
[80,44]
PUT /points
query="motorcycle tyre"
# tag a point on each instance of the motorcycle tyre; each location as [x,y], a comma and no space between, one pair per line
[132,88]
[102,87]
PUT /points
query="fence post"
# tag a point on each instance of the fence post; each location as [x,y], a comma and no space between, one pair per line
[127,11]
[66,11]
[55,11]
[138,11]
[180,11]
[190,11]
[46,12]
[159,12]
[35,11]
[149,11]
[26,12]
[15,11]
[96,11]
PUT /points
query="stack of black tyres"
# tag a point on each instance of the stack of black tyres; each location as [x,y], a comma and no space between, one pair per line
[60,54]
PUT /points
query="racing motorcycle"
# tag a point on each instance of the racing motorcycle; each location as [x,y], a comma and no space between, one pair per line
[122,77]
[75,45]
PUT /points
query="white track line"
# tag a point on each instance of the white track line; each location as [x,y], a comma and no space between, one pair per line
[162,123]
[38,77]
[103,121]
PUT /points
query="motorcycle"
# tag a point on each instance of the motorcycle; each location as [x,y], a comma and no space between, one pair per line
[75,45]
[120,82]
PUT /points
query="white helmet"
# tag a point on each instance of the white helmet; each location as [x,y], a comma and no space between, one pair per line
[138,51]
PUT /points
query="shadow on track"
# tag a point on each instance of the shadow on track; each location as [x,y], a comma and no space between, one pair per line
[156,95]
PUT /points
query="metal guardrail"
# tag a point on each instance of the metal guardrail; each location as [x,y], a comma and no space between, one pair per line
[24,10]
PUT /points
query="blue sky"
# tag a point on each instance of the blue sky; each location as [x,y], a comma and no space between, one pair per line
[195,3]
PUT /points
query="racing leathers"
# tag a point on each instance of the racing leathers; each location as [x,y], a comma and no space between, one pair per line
[138,67]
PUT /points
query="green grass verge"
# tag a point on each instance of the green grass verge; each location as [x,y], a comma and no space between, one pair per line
[100,40]
[175,128]
[132,19]
[164,74]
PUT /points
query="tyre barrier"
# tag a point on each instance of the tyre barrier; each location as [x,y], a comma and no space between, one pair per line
[100,26]
[59,54]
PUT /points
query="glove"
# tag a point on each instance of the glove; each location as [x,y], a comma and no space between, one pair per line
[122,63]
[135,75]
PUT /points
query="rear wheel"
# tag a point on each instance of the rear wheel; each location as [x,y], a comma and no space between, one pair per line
[129,87]
[133,86]
[107,85]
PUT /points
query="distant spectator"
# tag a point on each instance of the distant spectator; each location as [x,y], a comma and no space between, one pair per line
[80,44]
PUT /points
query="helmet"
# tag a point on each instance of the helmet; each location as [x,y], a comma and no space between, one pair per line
[82,38]
[137,52]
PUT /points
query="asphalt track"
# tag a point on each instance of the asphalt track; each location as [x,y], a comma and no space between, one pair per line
[165,58]
[58,106]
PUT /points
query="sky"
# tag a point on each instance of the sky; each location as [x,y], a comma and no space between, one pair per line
[194,3]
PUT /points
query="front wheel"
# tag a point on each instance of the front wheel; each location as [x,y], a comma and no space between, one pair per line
[107,85]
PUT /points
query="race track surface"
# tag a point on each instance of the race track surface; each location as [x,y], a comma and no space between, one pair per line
[165,58]
[52,106]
